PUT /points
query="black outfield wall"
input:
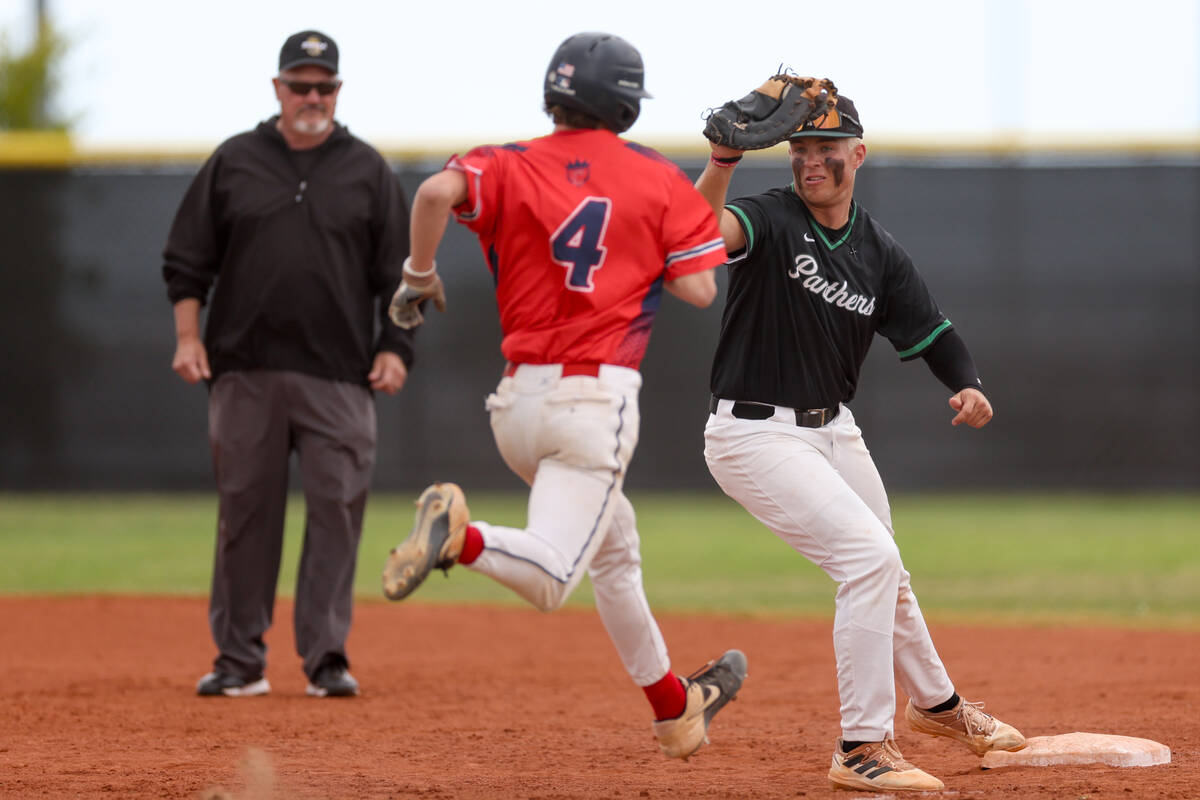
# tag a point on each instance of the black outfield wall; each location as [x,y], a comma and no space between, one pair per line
[1075,284]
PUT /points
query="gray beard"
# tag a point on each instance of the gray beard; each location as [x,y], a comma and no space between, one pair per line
[311,128]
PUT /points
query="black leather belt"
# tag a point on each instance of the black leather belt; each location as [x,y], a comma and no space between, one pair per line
[805,417]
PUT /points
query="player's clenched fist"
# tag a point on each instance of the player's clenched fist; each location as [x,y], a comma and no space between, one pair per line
[404,309]
[972,407]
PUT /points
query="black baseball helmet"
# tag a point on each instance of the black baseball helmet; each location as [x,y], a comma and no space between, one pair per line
[599,74]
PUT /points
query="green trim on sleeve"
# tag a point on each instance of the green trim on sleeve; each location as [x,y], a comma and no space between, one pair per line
[746,226]
[928,340]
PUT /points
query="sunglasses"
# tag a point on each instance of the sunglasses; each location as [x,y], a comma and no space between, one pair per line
[304,87]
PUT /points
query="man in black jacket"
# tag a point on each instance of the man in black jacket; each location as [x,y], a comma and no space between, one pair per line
[303,229]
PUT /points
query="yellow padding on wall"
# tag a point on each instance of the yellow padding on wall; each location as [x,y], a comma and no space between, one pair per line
[36,149]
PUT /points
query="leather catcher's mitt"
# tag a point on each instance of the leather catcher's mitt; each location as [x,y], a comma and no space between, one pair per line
[770,113]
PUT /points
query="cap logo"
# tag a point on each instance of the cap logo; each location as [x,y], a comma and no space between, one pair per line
[566,70]
[314,46]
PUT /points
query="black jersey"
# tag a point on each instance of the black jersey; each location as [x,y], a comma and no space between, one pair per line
[804,305]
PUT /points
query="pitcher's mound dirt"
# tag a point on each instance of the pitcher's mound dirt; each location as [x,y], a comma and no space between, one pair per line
[464,702]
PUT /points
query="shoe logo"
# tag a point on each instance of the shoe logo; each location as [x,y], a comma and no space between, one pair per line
[808,237]
[867,766]
[872,768]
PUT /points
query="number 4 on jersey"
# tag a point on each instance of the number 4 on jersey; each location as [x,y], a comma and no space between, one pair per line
[578,244]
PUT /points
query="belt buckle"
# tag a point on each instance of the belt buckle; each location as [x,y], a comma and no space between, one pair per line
[818,413]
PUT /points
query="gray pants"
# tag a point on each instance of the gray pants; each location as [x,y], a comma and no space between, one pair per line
[255,420]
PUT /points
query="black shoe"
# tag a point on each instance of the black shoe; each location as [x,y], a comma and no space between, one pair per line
[332,681]
[725,675]
[222,683]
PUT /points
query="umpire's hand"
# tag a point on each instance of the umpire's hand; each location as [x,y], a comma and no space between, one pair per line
[972,407]
[388,373]
[191,359]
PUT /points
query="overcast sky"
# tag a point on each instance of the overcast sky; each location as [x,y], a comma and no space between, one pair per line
[432,73]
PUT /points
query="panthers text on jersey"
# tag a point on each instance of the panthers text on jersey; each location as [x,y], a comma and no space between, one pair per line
[805,303]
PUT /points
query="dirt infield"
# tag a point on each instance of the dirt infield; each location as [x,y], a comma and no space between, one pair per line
[501,703]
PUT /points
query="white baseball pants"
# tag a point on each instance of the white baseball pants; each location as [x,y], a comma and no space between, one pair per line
[819,491]
[571,439]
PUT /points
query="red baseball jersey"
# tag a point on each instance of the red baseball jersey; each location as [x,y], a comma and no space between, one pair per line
[580,230]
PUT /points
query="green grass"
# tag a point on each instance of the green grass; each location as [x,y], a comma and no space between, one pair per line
[1129,559]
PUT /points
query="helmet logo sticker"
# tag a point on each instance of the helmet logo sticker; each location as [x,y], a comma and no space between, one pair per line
[559,78]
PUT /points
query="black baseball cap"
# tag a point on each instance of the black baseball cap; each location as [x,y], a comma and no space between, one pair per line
[840,121]
[309,47]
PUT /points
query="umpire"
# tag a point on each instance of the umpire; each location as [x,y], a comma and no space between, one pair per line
[299,230]
[812,278]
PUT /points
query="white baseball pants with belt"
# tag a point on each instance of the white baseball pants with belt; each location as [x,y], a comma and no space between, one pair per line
[571,439]
[819,491]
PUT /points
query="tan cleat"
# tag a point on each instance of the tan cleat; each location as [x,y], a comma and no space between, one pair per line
[967,723]
[708,690]
[878,767]
[436,540]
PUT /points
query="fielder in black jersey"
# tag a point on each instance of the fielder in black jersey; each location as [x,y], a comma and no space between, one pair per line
[812,279]
[796,283]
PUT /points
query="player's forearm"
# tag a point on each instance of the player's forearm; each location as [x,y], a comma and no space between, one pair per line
[430,213]
[951,363]
[713,185]
[428,226]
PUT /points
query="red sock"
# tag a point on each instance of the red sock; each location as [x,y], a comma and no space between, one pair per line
[472,545]
[667,697]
